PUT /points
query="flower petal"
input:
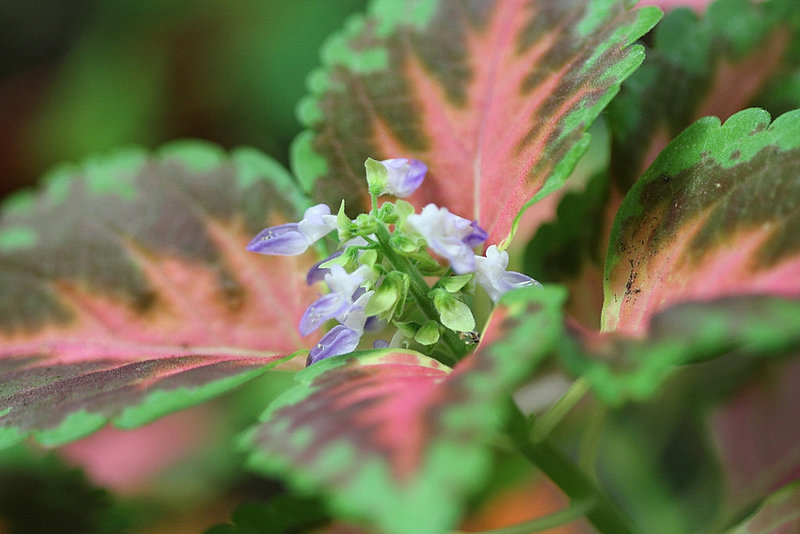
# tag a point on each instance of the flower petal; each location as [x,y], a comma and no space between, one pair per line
[282,240]
[317,222]
[339,340]
[491,274]
[405,175]
[323,309]
[478,236]
[317,273]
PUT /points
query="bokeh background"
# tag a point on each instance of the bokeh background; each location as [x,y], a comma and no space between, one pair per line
[82,76]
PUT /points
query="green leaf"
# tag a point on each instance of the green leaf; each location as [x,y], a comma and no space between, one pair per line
[493,96]
[779,514]
[395,437]
[716,214]
[622,368]
[129,293]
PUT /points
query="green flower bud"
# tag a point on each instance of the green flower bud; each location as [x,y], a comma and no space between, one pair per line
[403,243]
[365,224]
[377,177]
[453,313]
[344,224]
[387,213]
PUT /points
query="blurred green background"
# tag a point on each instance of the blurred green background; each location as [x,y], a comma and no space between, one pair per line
[81,76]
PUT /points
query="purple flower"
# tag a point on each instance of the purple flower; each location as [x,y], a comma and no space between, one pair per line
[478,236]
[337,303]
[294,238]
[405,175]
[449,235]
[342,338]
[491,273]
[339,340]
[317,273]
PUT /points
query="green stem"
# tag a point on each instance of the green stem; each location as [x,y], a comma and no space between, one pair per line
[550,521]
[605,515]
[587,454]
[546,422]
[419,290]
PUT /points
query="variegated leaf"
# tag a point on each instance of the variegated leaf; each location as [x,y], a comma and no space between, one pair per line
[716,214]
[126,278]
[495,96]
[735,55]
[397,438]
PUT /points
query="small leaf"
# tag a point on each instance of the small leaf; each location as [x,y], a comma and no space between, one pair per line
[395,437]
[428,334]
[453,313]
[133,264]
[392,291]
[716,214]
[454,283]
[494,96]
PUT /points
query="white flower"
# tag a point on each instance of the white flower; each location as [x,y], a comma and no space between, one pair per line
[449,235]
[491,274]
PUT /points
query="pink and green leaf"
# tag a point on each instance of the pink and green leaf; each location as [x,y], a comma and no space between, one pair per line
[780,514]
[494,96]
[135,263]
[397,438]
[622,368]
[60,402]
[715,215]
[756,435]
[738,54]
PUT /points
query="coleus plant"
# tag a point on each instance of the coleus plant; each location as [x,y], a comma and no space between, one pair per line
[127,291]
